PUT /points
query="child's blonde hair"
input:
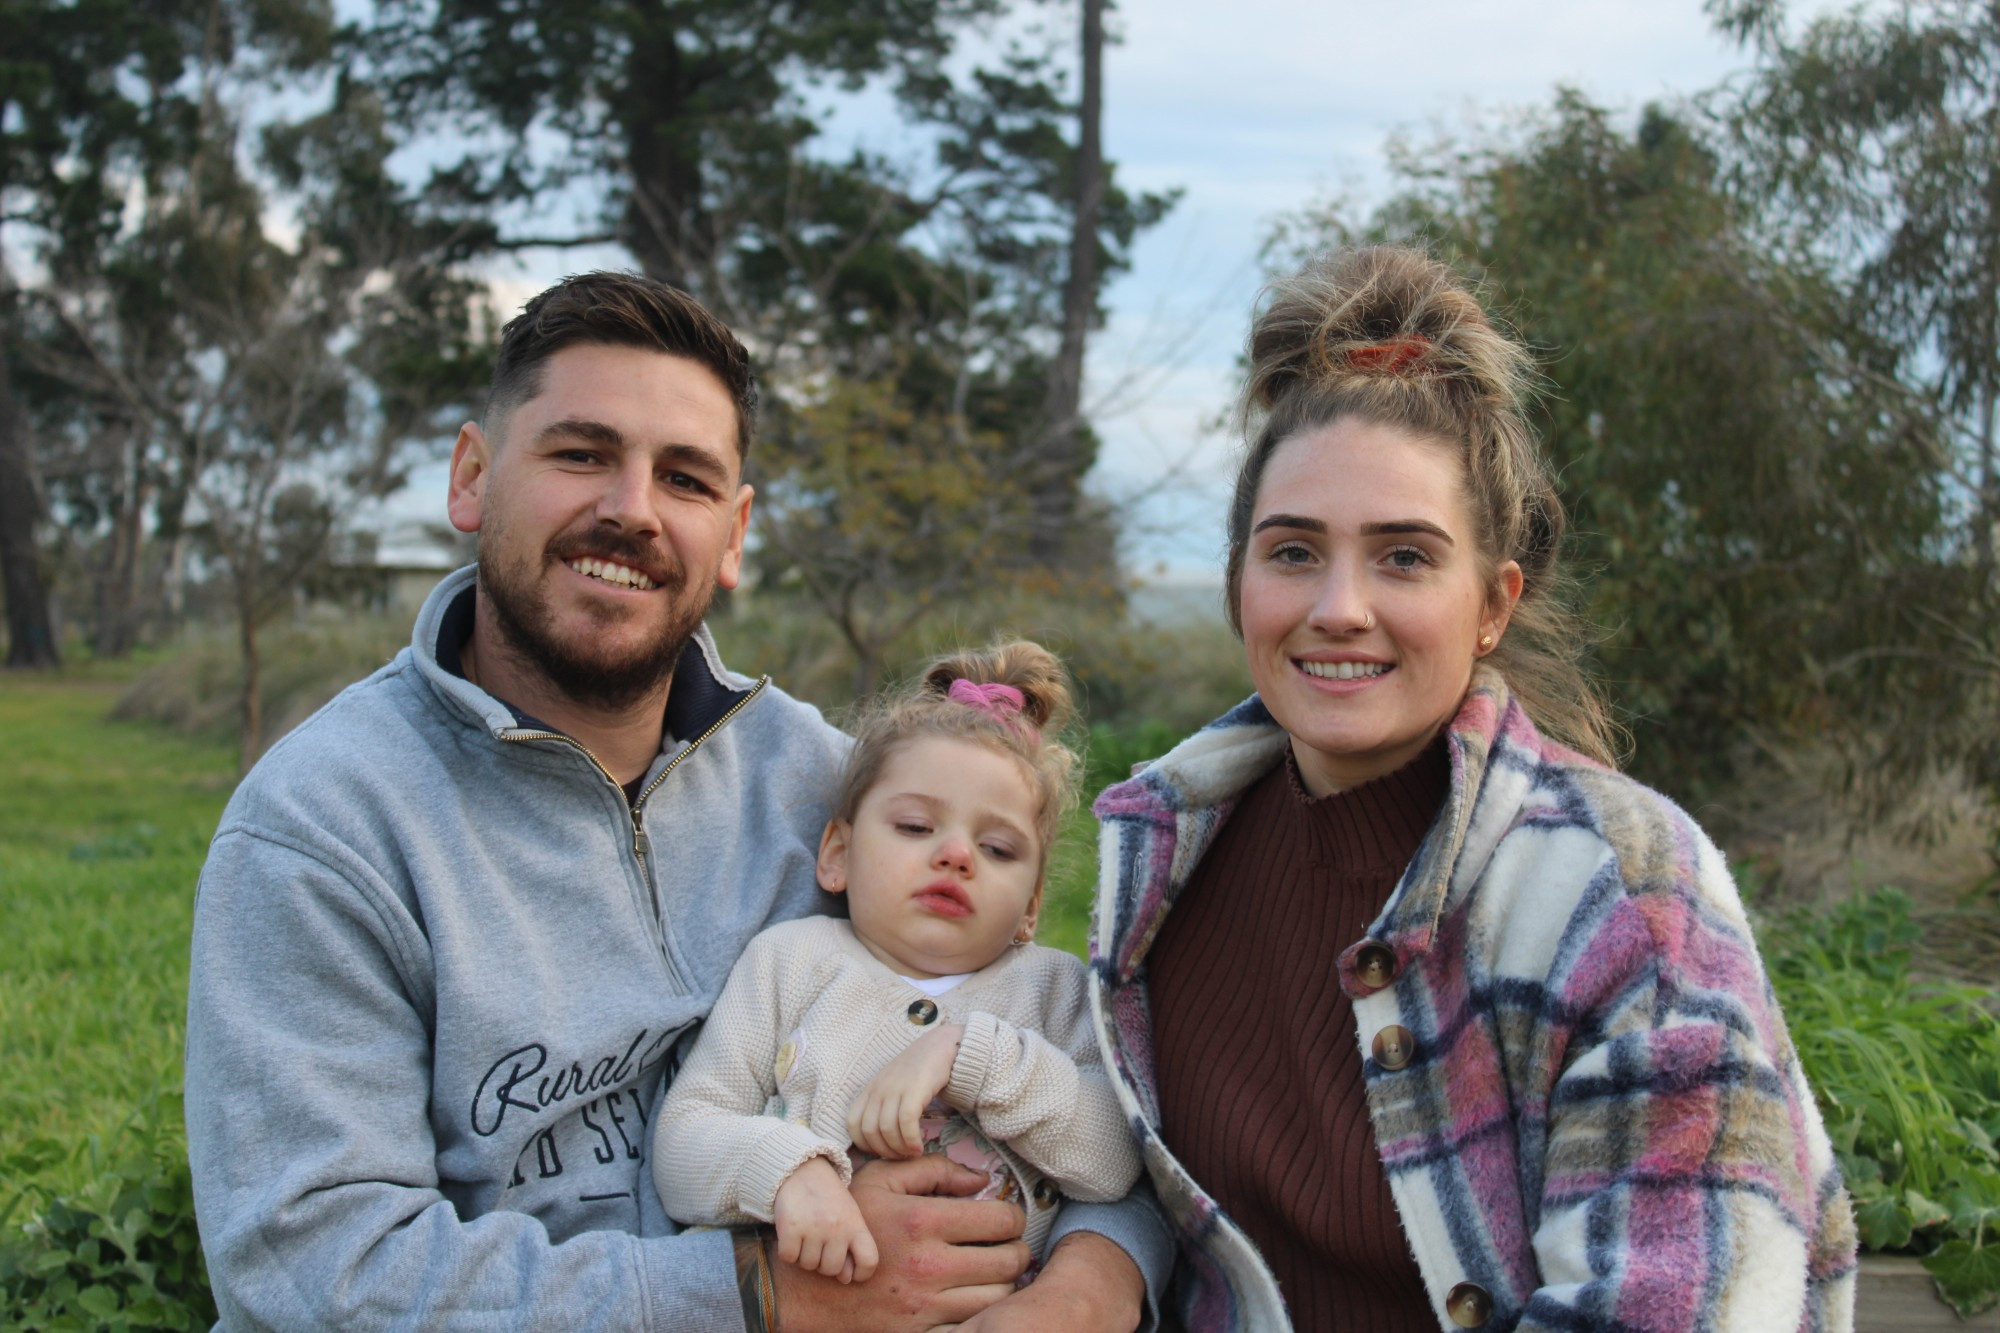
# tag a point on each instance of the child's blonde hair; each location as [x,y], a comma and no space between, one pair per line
[926,707]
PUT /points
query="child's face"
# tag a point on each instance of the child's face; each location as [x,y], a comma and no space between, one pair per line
[941,866]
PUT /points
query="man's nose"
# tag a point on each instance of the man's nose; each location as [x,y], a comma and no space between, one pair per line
[628,500]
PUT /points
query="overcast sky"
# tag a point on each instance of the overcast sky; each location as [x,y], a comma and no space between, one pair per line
[1262,108]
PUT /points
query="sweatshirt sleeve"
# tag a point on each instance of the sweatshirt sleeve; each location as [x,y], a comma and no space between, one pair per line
[315,1165]
[1043,1091]
[717,1159]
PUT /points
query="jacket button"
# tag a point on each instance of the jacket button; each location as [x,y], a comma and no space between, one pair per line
[1394,1047]
[1375,965]
[1469,1305]
[922,1012]
[1045,1194]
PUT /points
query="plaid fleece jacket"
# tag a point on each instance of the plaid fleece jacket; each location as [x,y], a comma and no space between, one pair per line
[1601,1123]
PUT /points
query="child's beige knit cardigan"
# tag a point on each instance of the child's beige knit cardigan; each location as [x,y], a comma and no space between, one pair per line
[808,1018]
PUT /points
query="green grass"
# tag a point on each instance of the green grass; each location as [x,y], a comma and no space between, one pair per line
[102,833]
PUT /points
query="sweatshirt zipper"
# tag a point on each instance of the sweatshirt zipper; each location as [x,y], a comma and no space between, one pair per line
[641,844]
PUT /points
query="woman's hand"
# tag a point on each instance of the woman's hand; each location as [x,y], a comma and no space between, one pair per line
[886,1118]
[820,1227]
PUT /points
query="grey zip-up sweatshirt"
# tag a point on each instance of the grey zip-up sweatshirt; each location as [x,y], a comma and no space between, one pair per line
[440,969]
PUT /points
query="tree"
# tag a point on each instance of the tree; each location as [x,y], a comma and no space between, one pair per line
[66,117]
[930,285]
[1872,138]
[118,104]
[329,355]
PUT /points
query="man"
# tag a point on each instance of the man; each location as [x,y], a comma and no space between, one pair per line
[456,929]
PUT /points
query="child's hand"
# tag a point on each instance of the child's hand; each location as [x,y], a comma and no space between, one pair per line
[820,1228]
[885,1118]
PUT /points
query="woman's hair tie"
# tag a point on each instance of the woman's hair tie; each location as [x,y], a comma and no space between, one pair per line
[1392,357]
[1002,703]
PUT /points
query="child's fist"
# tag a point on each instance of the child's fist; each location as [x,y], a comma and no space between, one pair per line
[820,1228]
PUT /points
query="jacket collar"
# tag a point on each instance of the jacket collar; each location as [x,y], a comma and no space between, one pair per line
[1168,815]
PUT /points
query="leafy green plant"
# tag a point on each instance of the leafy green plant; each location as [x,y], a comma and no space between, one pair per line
[1908,1078]
[120,1254]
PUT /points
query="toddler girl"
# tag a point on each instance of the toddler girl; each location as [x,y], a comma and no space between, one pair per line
[927,1022]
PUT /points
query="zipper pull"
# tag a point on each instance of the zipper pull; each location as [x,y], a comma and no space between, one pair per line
[642,846]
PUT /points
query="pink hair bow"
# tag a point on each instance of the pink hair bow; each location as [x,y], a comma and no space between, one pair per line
[1002,703]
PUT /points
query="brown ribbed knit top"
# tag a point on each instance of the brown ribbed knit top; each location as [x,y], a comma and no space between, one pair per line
[1261,1096]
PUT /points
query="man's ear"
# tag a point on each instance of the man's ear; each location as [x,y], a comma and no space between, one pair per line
[832,864]
[471,458]
[730,572]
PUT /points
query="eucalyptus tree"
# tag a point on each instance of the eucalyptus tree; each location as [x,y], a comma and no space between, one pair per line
[76,103]
[128,167]
[1871,137]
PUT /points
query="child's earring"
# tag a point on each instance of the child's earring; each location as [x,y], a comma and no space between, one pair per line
[1024,936]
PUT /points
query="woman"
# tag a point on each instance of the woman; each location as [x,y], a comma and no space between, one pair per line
[1426,1017]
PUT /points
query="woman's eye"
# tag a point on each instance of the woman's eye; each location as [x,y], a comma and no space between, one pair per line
[1291,553]
[1408,559]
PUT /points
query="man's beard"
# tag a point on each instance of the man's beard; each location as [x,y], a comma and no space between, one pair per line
[583,675]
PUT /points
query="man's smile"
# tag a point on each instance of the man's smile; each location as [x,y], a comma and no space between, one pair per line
[610,571]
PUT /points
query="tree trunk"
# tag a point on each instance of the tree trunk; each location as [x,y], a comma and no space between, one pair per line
[1062,463]
[118,574]
[662,171]
[31,639]
[253,683]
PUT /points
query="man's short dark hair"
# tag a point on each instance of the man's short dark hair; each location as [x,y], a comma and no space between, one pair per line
[620,310]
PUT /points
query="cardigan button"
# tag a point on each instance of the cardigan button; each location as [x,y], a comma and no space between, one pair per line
[1469,1305]
[1375,965]
[1045,1194]
[1394,1047]
[922,1012]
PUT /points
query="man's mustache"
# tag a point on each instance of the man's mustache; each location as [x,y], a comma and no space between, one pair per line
[636,552]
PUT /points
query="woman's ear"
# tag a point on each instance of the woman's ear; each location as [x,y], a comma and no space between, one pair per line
[1500,603]
[832,863]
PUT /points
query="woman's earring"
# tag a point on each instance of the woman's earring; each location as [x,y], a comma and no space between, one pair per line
[1485,642]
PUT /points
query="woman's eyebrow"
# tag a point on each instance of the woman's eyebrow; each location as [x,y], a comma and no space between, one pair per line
[1406,526]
